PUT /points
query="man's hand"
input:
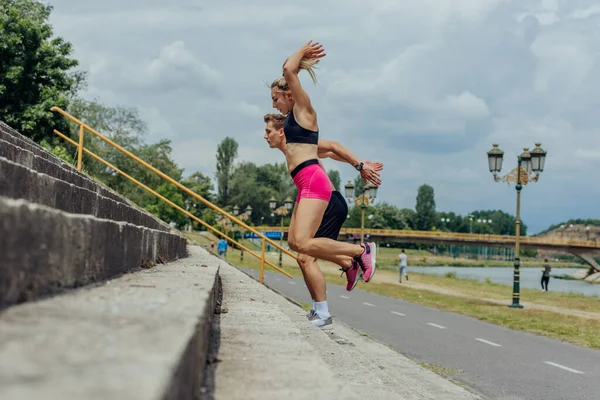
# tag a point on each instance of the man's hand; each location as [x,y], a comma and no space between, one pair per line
[369,172]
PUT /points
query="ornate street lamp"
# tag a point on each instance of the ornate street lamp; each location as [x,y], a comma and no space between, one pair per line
[349,188]
[236,210]
[367,196]
[529,167]
[272,203]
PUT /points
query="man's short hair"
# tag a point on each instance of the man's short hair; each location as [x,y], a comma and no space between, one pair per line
[275,119]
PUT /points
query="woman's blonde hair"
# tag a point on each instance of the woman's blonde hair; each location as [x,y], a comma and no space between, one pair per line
[280,84]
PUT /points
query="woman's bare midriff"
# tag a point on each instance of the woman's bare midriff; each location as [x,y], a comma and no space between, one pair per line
[297,153]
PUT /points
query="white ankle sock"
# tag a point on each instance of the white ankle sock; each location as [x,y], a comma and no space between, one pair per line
[322,309]
[314,309]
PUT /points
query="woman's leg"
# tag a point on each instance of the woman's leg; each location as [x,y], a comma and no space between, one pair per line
[308,216]
[315,281]
[305,222]
[309,213]
[313,277]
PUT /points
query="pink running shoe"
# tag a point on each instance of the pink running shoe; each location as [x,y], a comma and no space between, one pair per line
[352,275]
[367,260]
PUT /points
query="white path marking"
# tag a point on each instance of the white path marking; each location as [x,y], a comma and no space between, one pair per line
[369,304]
[436,325]
[279,279]
[488,342]
[563,367]
[398,313]
[344,297]
[292,282]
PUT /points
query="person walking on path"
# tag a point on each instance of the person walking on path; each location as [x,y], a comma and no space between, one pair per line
[222,248]
[546,275]
[403,264]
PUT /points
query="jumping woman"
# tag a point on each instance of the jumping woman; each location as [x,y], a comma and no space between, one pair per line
[333,219]
[314,188]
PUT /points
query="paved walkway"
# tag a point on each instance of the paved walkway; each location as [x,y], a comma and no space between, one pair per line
[269,350]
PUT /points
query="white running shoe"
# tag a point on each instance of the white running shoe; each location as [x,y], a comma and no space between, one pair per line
[321,323]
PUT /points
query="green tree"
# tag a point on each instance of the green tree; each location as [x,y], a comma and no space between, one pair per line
[334,177]
[199,184]
[425,208]
[122,125]
[410,216]
[227,152]
[36,70]
[387,216]
[247,189]
[165,211]
[359,186]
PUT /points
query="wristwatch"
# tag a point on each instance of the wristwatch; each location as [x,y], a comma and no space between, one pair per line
[359,166]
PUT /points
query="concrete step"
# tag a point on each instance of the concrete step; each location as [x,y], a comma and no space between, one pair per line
[55,168]
[269,350]
[45,251]
[24,183]
[46,163]
[141,336]
[10,135]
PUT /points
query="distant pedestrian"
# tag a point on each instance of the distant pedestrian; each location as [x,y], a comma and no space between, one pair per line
[546,274]
[403,264]
[222,248]
[212,247]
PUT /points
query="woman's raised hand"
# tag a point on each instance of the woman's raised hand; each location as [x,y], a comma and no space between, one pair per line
[313,51]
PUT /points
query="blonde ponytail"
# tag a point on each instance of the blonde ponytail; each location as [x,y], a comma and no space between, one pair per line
[309,66]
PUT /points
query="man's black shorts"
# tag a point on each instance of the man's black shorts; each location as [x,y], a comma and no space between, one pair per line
[334,217]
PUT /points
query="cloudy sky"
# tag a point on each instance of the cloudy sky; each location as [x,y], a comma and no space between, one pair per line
[425,86]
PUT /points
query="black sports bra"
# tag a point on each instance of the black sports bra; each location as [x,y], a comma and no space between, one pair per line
[294,133]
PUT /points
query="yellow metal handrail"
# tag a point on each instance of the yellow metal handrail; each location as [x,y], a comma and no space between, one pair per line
[81,150]
[457,235]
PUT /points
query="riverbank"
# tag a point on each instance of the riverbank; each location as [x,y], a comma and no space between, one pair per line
[570,317]
[421,258]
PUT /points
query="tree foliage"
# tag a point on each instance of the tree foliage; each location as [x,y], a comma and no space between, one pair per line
[36,70]
[334,177]
[227,152]
[425,208]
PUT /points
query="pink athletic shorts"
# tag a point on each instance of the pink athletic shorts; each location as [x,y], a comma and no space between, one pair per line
[312,181]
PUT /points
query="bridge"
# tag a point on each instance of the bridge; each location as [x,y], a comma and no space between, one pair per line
[584,249]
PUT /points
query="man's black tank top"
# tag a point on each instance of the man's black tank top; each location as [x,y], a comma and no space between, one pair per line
[294,133]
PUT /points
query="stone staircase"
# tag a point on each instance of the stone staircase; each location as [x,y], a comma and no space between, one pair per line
[97,296]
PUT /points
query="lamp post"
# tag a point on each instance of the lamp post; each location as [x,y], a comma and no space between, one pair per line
[282,211]
[530,165]
[363,200]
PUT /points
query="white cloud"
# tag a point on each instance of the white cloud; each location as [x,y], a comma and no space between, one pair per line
[584,13]
[424,86]
[467,105]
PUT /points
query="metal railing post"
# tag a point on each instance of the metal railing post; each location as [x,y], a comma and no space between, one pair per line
[262,261]
[80,148]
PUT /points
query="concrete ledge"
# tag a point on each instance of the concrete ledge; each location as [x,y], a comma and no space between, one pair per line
[45,251]
[10,135]
[142,336]
[21,150]
[27,184]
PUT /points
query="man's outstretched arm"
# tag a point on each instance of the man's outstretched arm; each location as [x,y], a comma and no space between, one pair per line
[339,152]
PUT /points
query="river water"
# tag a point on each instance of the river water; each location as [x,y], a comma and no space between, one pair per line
[530,277]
